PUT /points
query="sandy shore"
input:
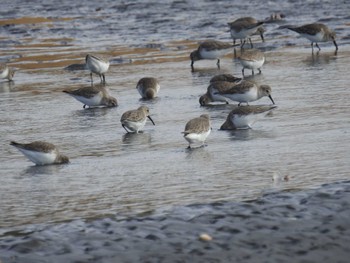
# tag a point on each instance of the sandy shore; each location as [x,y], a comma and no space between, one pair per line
[294,226]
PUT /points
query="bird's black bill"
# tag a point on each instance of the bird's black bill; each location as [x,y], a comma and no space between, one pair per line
[271,99]
[149,117]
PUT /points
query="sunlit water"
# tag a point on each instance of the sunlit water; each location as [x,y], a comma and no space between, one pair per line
[305,139]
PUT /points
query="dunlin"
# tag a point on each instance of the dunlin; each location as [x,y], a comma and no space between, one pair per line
[41,153]
[197,130]
[135,120]
[148,88]
[246,91]
[93,96]
[275,17]
[214,92]
[244,28]
[210,49]
[6,72]
[244,117]
[251,59]
[316,33]
[225,77]
[98,66]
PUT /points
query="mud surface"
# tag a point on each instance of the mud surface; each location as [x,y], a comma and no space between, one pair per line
[289,226]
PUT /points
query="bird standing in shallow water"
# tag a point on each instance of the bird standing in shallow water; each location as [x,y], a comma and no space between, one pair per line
[252,59]
[244,28]
[135,120]
[197,130]
[93,96]
[6,72]
[41,153]
[210,49]
[316,33]
[214,92]
[148,88]
[246,91]
[98,66]
[244,117]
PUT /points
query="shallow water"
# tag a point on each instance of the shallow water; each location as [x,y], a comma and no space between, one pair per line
[305,139]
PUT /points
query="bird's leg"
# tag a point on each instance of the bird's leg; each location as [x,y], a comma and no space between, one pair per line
[262,37]
[218,63]
[253,72]
[242,44]
[259,71]
[125,128]
[91,78]
[243,72]
[312,46]
[84,106]
[319,49]
[104,79]
[251,44]
[335,44]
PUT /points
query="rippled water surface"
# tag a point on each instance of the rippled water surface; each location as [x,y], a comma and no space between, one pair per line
[306,139]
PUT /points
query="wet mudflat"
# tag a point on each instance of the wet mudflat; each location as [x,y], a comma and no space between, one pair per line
[277,227]
[115,176]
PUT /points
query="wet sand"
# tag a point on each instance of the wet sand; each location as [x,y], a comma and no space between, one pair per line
[289,226]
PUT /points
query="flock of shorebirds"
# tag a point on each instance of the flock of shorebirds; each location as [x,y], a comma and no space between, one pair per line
[222,88]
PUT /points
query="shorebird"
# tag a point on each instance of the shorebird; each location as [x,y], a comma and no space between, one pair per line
[135,120]
[197,130]
[244,117]
[148,88]
[98,66]
[244,27]
[41,153]
[275,17]
[6,72]
[210,49]
[251,59]
[215,91]
[316,32]
[246,91]
[93,96]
